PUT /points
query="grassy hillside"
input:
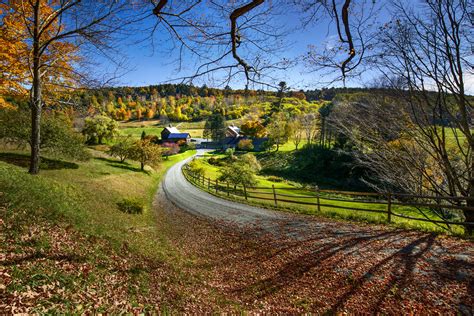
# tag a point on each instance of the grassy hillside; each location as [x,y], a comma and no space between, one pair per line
[64,235]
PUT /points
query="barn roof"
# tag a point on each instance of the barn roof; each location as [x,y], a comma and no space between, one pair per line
[172,129]
[178,135]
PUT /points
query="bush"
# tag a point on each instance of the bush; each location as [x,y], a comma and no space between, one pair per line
[170,148]
[131,206]
[245,144]
[275,179]
[214,161]
[196,168]
[186,146]
[229,152]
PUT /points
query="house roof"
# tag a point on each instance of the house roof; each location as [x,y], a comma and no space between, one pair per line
[234,129]
[172,130]
[178,135]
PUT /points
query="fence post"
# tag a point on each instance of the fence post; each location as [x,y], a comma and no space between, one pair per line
[208,183]
[317,199]
[274,195]
[217,186]
[245,192]
[203,179]
[389,207]
[228,190]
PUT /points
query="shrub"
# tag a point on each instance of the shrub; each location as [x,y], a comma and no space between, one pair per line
[131,206]
[275,179]
[213,161]
[245,144]
[170,149]
[196,168]
[229,152]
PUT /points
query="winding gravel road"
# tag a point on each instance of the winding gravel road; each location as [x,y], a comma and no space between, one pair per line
[196,201]
[186,196]
[435,273]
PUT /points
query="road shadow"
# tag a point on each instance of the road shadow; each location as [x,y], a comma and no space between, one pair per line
[23,160]
[345,269]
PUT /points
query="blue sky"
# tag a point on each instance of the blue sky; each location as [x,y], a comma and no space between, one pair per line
[151,65]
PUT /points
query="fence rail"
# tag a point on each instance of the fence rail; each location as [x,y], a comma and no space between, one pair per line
[320,198]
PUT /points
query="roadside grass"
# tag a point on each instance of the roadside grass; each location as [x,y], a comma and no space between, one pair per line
[87,197]
[306,194]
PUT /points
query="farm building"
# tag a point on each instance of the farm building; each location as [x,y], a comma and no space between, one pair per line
[172,134]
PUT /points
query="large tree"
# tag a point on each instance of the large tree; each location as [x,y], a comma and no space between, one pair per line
[417,136]
[48,35]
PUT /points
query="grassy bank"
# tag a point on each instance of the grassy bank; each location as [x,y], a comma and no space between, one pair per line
[86,194]
[296,192]
[66,246]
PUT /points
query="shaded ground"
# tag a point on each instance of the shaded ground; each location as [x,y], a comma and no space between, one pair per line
[226,267]
[23,160]
[294,263]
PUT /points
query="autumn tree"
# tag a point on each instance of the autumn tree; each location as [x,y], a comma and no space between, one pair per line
[295,131]
[241,171]
[278,130]
[146,153]
[309,124]
[98,128]
[47,33]
[121,149]
[253,128]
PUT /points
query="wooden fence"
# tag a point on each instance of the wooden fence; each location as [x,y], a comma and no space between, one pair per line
[383,203]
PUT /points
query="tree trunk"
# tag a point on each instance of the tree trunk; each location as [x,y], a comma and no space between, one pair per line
[35,138]
[36,102]
[469,215]
[142,166]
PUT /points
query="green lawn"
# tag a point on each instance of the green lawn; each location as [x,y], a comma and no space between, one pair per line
[283,187]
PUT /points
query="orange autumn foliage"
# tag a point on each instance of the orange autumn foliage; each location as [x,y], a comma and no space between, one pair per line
[16,50]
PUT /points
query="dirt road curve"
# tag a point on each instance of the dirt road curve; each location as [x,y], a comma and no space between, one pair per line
[188,197]
[388,270]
